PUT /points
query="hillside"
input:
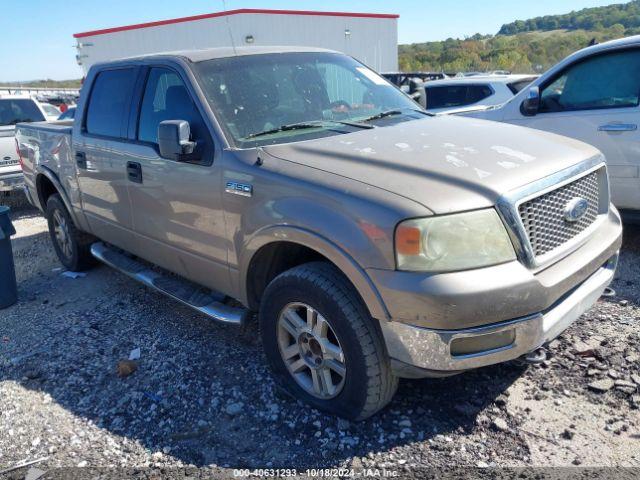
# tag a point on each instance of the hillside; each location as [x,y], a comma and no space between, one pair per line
[44,84]
[625,14]
[535,45]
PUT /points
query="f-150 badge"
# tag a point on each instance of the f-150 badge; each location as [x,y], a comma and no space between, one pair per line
[243,189]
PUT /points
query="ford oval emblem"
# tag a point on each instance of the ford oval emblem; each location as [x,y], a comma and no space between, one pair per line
[575,209]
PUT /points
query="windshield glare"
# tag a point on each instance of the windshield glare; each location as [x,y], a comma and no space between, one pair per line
[254,93]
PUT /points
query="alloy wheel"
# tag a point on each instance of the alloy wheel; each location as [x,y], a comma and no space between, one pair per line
[61,233]
[311,351]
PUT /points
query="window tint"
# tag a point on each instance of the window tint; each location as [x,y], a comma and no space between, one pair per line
[518,85]
[604,81]
[447,96]
[13,111]
[109,102]
[475,93]
[167,98]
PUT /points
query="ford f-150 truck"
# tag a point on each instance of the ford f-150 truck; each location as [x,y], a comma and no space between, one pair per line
[375,241]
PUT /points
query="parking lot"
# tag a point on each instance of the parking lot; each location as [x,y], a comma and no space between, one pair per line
[203,396]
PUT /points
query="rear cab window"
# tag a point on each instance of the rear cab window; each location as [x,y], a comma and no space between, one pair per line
[108,107]
[16,110]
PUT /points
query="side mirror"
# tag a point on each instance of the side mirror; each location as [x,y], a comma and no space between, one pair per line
[174,140]
[531,104]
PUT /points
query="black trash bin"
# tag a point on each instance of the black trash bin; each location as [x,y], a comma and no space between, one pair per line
[8,286]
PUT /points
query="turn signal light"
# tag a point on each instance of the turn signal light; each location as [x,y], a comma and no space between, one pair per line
[408,240]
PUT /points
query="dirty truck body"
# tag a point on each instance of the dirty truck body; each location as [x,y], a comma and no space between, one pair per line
[374,241]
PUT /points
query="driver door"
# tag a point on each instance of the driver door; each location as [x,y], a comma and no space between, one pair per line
[177,205]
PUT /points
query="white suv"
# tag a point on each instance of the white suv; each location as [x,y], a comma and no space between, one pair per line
[593,96]
[451,94]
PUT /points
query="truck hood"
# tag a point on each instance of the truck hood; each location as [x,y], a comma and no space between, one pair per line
[445,163]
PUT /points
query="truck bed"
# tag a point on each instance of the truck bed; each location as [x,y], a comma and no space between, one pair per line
[46,146]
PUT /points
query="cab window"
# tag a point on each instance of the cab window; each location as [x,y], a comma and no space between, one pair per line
[109,102]
[595,83]
[166,98]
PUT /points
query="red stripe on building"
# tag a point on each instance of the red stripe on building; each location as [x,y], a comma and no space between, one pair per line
[232,12]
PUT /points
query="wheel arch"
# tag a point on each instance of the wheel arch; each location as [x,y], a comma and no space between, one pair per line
[279,248]
[47,184]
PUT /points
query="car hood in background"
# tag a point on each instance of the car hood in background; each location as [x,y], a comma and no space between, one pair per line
[445,163]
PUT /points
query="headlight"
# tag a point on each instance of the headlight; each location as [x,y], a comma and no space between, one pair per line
[453,242]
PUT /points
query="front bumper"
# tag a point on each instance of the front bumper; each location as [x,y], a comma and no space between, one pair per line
[475,298]
[10,182]
[417,351]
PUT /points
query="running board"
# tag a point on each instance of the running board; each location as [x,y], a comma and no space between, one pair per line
[197,297]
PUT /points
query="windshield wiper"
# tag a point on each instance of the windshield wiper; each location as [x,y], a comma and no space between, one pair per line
[304,125]
[386,113]
[389,113]
[423,112]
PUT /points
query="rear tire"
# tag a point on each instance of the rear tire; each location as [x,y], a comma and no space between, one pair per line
[337,327]
[71,245]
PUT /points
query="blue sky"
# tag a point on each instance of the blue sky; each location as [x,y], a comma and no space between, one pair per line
[38,43]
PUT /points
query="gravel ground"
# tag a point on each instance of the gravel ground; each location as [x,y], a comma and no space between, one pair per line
[202,397]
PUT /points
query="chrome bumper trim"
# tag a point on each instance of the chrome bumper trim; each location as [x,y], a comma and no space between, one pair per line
[430,349]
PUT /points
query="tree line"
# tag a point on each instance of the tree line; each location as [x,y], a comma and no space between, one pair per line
[532,50]
[597,18]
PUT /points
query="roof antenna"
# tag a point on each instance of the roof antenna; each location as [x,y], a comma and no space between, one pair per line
[233,44]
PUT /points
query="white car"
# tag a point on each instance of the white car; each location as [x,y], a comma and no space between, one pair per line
[15,109]
[478,91]
[592,95]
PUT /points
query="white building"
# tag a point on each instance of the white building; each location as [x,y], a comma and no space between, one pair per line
[372,38]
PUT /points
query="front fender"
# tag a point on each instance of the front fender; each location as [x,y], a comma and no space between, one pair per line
[340,258]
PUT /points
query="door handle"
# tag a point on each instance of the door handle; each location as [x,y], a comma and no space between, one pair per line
[134,172]
[618,127]
[81,160]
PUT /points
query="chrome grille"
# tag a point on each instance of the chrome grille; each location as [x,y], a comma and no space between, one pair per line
[544,219]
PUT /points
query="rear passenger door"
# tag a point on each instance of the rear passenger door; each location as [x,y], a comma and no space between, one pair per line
[177,206]
[101,156]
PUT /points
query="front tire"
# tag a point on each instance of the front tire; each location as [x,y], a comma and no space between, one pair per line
[322,345]
[72,246]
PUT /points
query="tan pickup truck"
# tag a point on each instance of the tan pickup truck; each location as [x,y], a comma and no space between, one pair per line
[374,240]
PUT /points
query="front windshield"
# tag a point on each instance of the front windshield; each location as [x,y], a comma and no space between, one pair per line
[255,94]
